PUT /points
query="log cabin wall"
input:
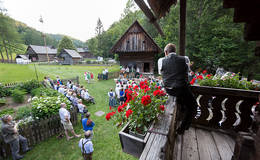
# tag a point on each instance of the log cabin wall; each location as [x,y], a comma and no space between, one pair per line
[136,48]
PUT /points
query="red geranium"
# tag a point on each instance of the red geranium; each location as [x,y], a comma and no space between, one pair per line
[156,92]
[204,72]
[209,76]
[146,100]
[108,116]
[192,81]
[135,87]
[199,77]
[162,107]
[120,108]
[128,113]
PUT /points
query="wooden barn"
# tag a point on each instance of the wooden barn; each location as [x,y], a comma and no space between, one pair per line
[68,56]
[137,48]
[39,53]
[85,53]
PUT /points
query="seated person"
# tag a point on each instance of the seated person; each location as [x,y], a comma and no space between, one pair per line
[87,97]
[82,108]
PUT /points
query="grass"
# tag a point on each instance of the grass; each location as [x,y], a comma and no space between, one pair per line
[16,73]
[106,140]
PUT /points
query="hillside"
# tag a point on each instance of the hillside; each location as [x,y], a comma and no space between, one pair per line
[30,35]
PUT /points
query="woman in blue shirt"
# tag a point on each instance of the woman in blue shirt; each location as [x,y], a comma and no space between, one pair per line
[88,124]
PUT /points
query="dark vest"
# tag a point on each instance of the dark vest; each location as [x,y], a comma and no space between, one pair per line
[174,71]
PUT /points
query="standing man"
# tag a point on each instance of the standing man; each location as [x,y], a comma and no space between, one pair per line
[86,146]
[65,121]
[174,71]
[106,70]
[12,137]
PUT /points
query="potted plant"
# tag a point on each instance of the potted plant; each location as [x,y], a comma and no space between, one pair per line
[143,105]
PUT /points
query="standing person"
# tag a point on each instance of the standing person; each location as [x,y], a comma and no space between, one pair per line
[104,74]
[127,72]
[117,90]
[106,70]
[11,136]
[122,96]
[88,124]
[65,121]
[122,72]
[86,146]
[51,82]
[175,78]
[91,76]
[137,73]
[112,98]
[88,77]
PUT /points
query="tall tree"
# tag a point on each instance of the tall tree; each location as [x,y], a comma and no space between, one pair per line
[65,43]
[8,33]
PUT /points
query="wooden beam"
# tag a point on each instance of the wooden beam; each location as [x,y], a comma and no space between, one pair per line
[149,15]
[182,35]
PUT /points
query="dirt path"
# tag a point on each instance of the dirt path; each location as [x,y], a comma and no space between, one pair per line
[11,104]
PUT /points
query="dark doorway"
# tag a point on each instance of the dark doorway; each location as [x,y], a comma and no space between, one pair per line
[146,67]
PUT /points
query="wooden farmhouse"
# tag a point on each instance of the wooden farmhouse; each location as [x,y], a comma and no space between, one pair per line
[85,53]
[137,48]
[39,53]
[68,56]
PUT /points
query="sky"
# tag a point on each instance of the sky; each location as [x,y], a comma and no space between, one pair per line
[75,18]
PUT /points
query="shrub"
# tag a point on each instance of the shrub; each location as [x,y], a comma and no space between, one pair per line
[46,106]
[6,111]
[43,92]
[23,112]
[4,92]
[2,101]
[18,95]
[28,86]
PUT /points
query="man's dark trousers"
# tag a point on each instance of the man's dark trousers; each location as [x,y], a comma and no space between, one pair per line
[188,103]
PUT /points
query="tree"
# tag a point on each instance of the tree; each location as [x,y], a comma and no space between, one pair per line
[8,34]
[65,43]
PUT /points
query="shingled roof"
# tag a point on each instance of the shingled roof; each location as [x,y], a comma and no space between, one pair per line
[73,53]
[42,49]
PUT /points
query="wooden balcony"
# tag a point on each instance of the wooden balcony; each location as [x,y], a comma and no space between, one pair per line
[222,113]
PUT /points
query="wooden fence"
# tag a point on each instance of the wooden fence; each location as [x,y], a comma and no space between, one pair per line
[225,108]
[38,131]
[13,84]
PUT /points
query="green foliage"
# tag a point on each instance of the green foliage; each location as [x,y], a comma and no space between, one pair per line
[28,86]
[43,107]
[229,82]
[7,111]
[65,43]
[18,95]
[4,92]
[43,92]
[23,112]
[2,101]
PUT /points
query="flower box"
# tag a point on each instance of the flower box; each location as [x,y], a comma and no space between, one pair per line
[133,145]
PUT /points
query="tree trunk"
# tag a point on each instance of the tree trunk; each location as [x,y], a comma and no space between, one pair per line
[6,50]
[3,59]
[10,49]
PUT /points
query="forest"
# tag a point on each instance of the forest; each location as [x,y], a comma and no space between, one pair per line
[212,38]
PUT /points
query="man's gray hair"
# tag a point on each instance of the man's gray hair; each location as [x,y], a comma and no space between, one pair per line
[170,48]
[5,118]
[87,134]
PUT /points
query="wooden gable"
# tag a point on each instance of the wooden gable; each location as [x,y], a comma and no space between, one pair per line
[136,40]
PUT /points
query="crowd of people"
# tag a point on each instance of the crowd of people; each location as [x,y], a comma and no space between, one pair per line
[118,95]
[129,72]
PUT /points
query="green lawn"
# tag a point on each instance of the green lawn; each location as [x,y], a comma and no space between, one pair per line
[15,73]
[106,140]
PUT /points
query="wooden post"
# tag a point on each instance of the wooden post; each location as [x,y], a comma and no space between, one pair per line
[182,35]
